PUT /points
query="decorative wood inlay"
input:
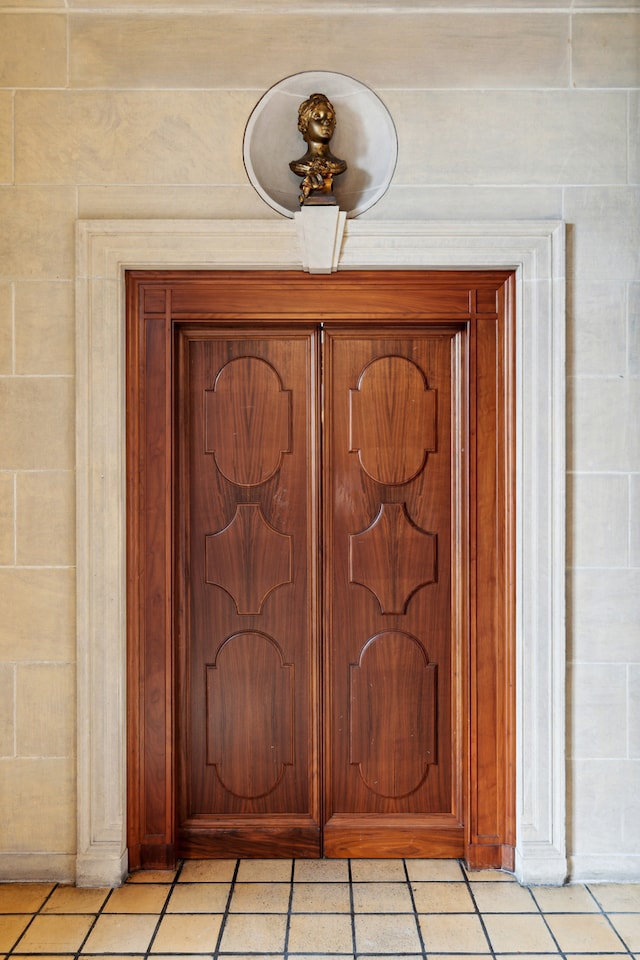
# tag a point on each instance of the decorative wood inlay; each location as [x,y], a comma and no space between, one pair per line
[393,558]
[248,416]
[248,558]
[392,420]
[393,714]
[250,705]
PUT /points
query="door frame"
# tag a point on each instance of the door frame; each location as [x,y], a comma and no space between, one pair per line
[483,602]
[105,250]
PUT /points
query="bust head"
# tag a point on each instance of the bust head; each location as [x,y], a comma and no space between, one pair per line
[316,118]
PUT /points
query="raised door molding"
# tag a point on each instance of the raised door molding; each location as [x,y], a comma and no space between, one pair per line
[535,250]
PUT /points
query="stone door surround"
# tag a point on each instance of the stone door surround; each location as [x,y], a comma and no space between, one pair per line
[536,251]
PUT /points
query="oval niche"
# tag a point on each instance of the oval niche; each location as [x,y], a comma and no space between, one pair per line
[365,136]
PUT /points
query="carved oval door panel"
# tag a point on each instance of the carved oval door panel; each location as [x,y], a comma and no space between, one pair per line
[392,420]
[393,714]
[247,420]
[250,709]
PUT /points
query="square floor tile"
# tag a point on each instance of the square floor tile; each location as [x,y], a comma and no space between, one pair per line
[23,897]
[76,900]
[587,956]
[440,870]
[187,933]
[113,956]
[247,956]
[491,876]
[405,956]
[510,933]
[617,897]
[264,871]
[381,898]
[570,899]
[121,933]
[176,956]
[324,956]
[152,876]
[442,898]
[138,898]
[378,870]
[326,933]
[54,934]
[248,933]
[584,933]
[260,898]
[207,871]
[503,898]
[10,929]
[536,956]
[473,956]
[321,871]
[199,898]
[321,898]
[453,934]
[628,926]
[55,956]
[394,933]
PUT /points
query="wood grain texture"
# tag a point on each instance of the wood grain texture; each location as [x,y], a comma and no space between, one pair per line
[436,667]
[399,590]
[247,661]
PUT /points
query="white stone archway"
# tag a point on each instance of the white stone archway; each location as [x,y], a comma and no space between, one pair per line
[105,250]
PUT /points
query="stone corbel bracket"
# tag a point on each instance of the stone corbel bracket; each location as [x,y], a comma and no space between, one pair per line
[320,232]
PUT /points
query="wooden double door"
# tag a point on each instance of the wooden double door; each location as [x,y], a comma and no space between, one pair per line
[320,566]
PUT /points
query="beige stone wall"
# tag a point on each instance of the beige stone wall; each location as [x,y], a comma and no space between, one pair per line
[119,113]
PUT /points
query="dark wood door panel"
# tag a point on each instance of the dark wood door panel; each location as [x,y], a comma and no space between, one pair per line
[247,646]
[390,723]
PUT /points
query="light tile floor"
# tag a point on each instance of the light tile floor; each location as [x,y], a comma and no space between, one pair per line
[320,909]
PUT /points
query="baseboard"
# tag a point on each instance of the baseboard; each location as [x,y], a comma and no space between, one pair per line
[543,865]
[622,868]
[101,870]
[31,867]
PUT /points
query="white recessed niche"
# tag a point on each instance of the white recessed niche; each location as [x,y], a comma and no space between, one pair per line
[365,136]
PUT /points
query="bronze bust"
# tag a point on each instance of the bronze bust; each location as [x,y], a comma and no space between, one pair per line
[318,166]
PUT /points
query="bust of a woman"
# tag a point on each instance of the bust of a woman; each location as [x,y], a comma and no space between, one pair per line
[318,166]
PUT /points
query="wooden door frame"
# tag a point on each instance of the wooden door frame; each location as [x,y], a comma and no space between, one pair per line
[490,749]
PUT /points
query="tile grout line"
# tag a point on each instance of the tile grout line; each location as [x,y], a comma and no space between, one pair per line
[623,951]
[352,909]
[285,951]
[546,923]
[162,912]
[93,923]
[33,916]
[478,912]
[605,914]
[227,911]
[415,911]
